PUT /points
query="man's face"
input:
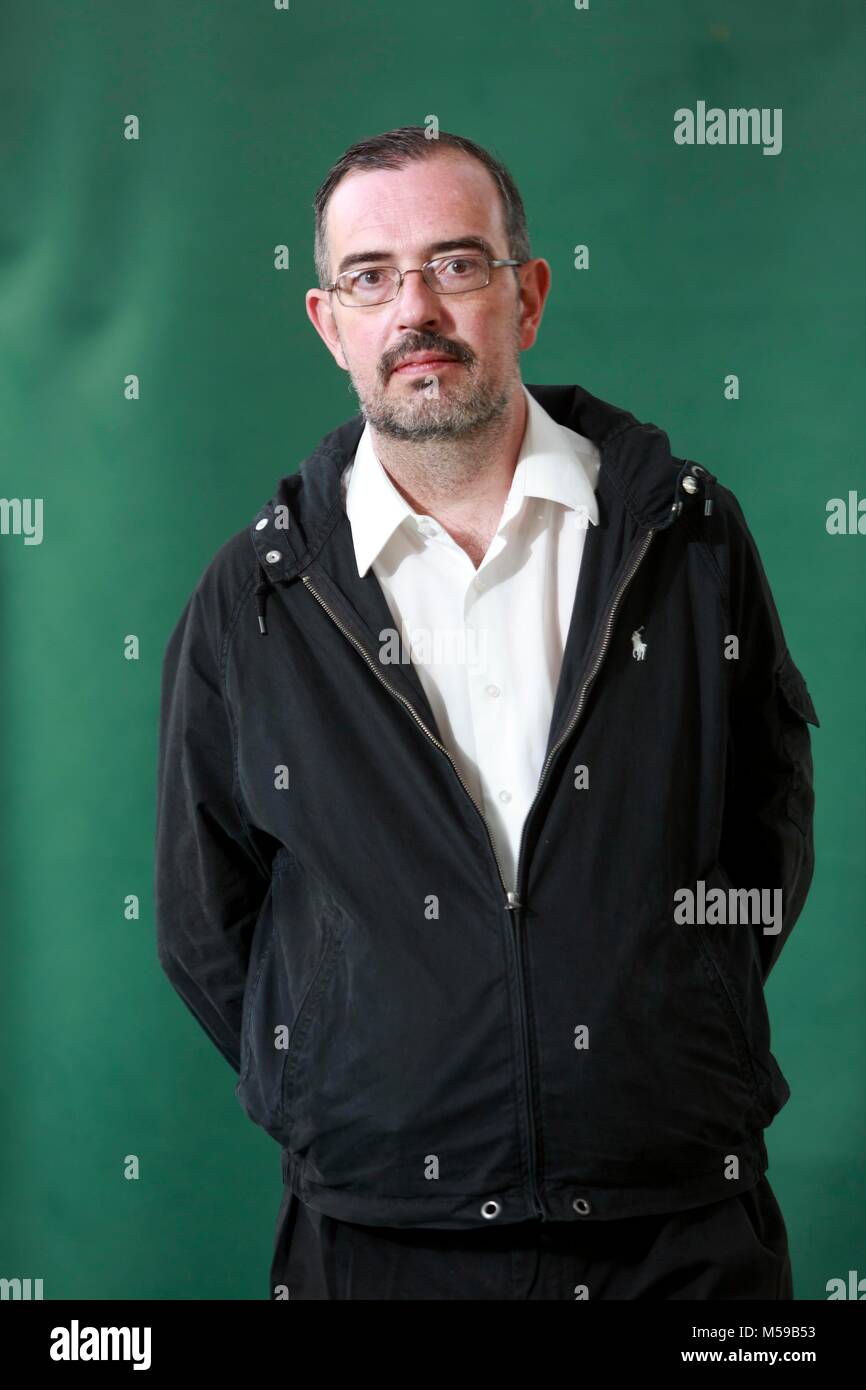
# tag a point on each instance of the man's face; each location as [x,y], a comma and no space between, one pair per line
[472,339]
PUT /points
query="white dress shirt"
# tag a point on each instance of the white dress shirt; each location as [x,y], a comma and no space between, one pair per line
[487,644]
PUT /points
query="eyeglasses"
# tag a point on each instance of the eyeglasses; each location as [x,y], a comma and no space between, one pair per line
[377,284]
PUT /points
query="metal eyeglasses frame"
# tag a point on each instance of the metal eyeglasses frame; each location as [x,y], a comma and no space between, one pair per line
[419,270]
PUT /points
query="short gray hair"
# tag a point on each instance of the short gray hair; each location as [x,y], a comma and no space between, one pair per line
[397,148]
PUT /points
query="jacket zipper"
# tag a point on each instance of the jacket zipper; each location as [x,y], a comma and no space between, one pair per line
[512,899]
[419,722]
[643,547]
[515,897]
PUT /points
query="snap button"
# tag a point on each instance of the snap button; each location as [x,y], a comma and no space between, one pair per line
[689,485]
[260,525]
[273,556]
[582,1206]
[491,1209]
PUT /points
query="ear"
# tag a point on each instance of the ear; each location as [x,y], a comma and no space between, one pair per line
[321,316]
[534,287]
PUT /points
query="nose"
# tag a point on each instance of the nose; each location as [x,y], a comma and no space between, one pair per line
[416,304]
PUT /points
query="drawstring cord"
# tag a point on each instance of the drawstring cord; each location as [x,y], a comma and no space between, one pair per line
[262,590]
[709,484]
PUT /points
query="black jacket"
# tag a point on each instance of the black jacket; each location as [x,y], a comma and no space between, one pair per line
[428,1047]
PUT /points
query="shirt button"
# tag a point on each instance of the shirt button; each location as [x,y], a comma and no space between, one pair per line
[504,795]
[493,690]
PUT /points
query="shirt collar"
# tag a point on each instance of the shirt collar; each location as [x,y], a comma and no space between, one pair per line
[555,463]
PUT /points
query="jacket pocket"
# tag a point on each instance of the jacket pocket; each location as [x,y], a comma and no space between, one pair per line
[733,961]
[302,1035]
[293,949]
[796,711]
[260,953]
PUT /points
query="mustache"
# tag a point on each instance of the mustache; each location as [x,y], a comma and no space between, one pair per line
[424,343]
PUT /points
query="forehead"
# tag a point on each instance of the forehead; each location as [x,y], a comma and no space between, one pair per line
[427,200]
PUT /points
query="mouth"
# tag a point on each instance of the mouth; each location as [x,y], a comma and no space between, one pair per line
[423,366]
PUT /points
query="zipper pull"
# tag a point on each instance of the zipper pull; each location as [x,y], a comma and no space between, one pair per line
[513,901]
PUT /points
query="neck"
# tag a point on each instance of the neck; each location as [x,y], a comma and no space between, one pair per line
[462,482]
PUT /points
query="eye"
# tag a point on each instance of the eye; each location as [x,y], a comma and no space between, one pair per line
[362,278]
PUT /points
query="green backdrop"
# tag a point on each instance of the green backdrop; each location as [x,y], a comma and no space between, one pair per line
[155,257]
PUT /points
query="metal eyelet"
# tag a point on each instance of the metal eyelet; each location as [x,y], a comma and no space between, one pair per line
[491,1209]
[273,556]
[582,1206]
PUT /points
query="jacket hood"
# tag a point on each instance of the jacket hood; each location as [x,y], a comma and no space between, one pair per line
[637,467]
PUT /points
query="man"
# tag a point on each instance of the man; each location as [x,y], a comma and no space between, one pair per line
[485,800]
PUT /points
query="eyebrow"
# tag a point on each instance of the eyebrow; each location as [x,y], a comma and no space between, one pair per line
[434,248]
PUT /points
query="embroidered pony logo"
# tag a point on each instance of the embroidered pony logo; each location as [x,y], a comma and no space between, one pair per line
[638,646]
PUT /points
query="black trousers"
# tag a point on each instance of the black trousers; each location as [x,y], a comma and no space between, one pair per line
[735,1248]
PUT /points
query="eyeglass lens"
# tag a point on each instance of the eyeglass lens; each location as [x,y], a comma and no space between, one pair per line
[378,283]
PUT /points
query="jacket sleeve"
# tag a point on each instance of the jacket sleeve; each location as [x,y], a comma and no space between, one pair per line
[209,883]
[767,834]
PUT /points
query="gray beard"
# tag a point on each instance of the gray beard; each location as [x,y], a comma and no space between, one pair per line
[438,417]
